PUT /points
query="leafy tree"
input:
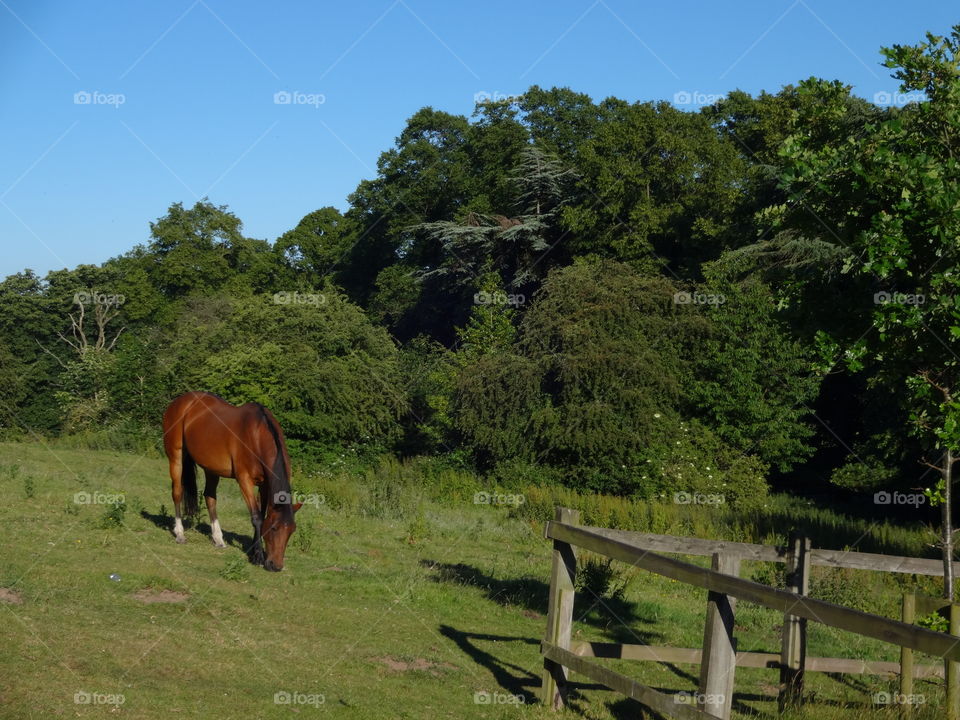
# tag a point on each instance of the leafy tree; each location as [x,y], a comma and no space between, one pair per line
[514,247]
[423,178]
[495,140]
[490,331]
[192,248]
[328,374]
[559,119]
[753,382]
[316,245]
[659,186]
[593,385]
[889,196]
[28,323]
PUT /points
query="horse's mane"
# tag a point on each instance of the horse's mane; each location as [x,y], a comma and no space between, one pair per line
[278,480]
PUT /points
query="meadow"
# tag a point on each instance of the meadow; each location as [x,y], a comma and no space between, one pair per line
[401,598]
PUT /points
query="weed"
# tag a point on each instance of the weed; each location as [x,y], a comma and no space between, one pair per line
[113,515]
[236,569]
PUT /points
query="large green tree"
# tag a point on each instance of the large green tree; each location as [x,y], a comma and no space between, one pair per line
[889,198]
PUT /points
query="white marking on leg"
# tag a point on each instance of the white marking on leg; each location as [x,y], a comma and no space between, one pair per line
[178,530]
[217,534]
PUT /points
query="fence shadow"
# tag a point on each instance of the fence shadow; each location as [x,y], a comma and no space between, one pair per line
[613,616]
[512,678]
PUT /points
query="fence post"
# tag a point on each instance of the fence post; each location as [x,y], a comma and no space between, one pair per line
[908,615]
[560,611]
[793,653]
[952,669]
[719,660]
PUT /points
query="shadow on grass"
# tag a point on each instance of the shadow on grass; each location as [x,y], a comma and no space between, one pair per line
[513,678]
[526,682]
[165,522]
[615,617]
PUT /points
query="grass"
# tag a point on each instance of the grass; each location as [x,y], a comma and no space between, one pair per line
[401,598]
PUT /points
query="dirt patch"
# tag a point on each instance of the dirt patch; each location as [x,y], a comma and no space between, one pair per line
[398,665]
[532,614]
[10,596]
[160,596]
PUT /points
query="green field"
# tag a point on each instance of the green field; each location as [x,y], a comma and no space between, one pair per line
[391,605]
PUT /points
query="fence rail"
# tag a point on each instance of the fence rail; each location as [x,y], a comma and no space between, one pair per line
[778,553]
[718,658]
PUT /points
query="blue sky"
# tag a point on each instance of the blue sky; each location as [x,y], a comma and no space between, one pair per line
[112,110]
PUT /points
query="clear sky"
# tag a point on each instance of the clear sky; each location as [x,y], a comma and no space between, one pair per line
[112,110]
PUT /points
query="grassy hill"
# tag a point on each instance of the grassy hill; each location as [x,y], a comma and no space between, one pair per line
[391,605]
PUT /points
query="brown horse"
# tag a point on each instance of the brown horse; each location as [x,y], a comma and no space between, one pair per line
[243,442]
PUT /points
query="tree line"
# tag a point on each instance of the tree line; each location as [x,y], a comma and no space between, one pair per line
[622,297]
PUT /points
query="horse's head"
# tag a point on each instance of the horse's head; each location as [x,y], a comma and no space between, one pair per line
[278,526]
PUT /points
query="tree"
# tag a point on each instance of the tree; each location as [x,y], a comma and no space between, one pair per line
[752,380]
[327,373]
[659,186]
[592,391]
[889,196]
[514,245]
[559,119]
[316,245]
[191,248]
[29,322]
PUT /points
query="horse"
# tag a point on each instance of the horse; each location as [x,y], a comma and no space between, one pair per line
[245,443]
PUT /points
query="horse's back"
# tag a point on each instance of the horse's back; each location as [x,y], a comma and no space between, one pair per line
[212,431]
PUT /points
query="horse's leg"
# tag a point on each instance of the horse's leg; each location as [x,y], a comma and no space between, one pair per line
[210,494]
[248,487]
[176,477]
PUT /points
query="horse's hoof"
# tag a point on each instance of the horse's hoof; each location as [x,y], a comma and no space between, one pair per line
[220,544]
[181,540]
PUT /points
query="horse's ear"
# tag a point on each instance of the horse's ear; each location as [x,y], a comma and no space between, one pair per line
[297,506]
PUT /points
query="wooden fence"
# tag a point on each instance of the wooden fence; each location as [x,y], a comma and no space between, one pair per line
[718,659]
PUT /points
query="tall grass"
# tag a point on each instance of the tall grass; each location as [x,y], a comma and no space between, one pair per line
[397,489]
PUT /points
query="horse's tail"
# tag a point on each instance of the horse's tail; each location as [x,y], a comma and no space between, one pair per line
[188,480]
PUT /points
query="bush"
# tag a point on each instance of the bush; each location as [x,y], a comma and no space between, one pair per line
[326,372]
[600,578]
